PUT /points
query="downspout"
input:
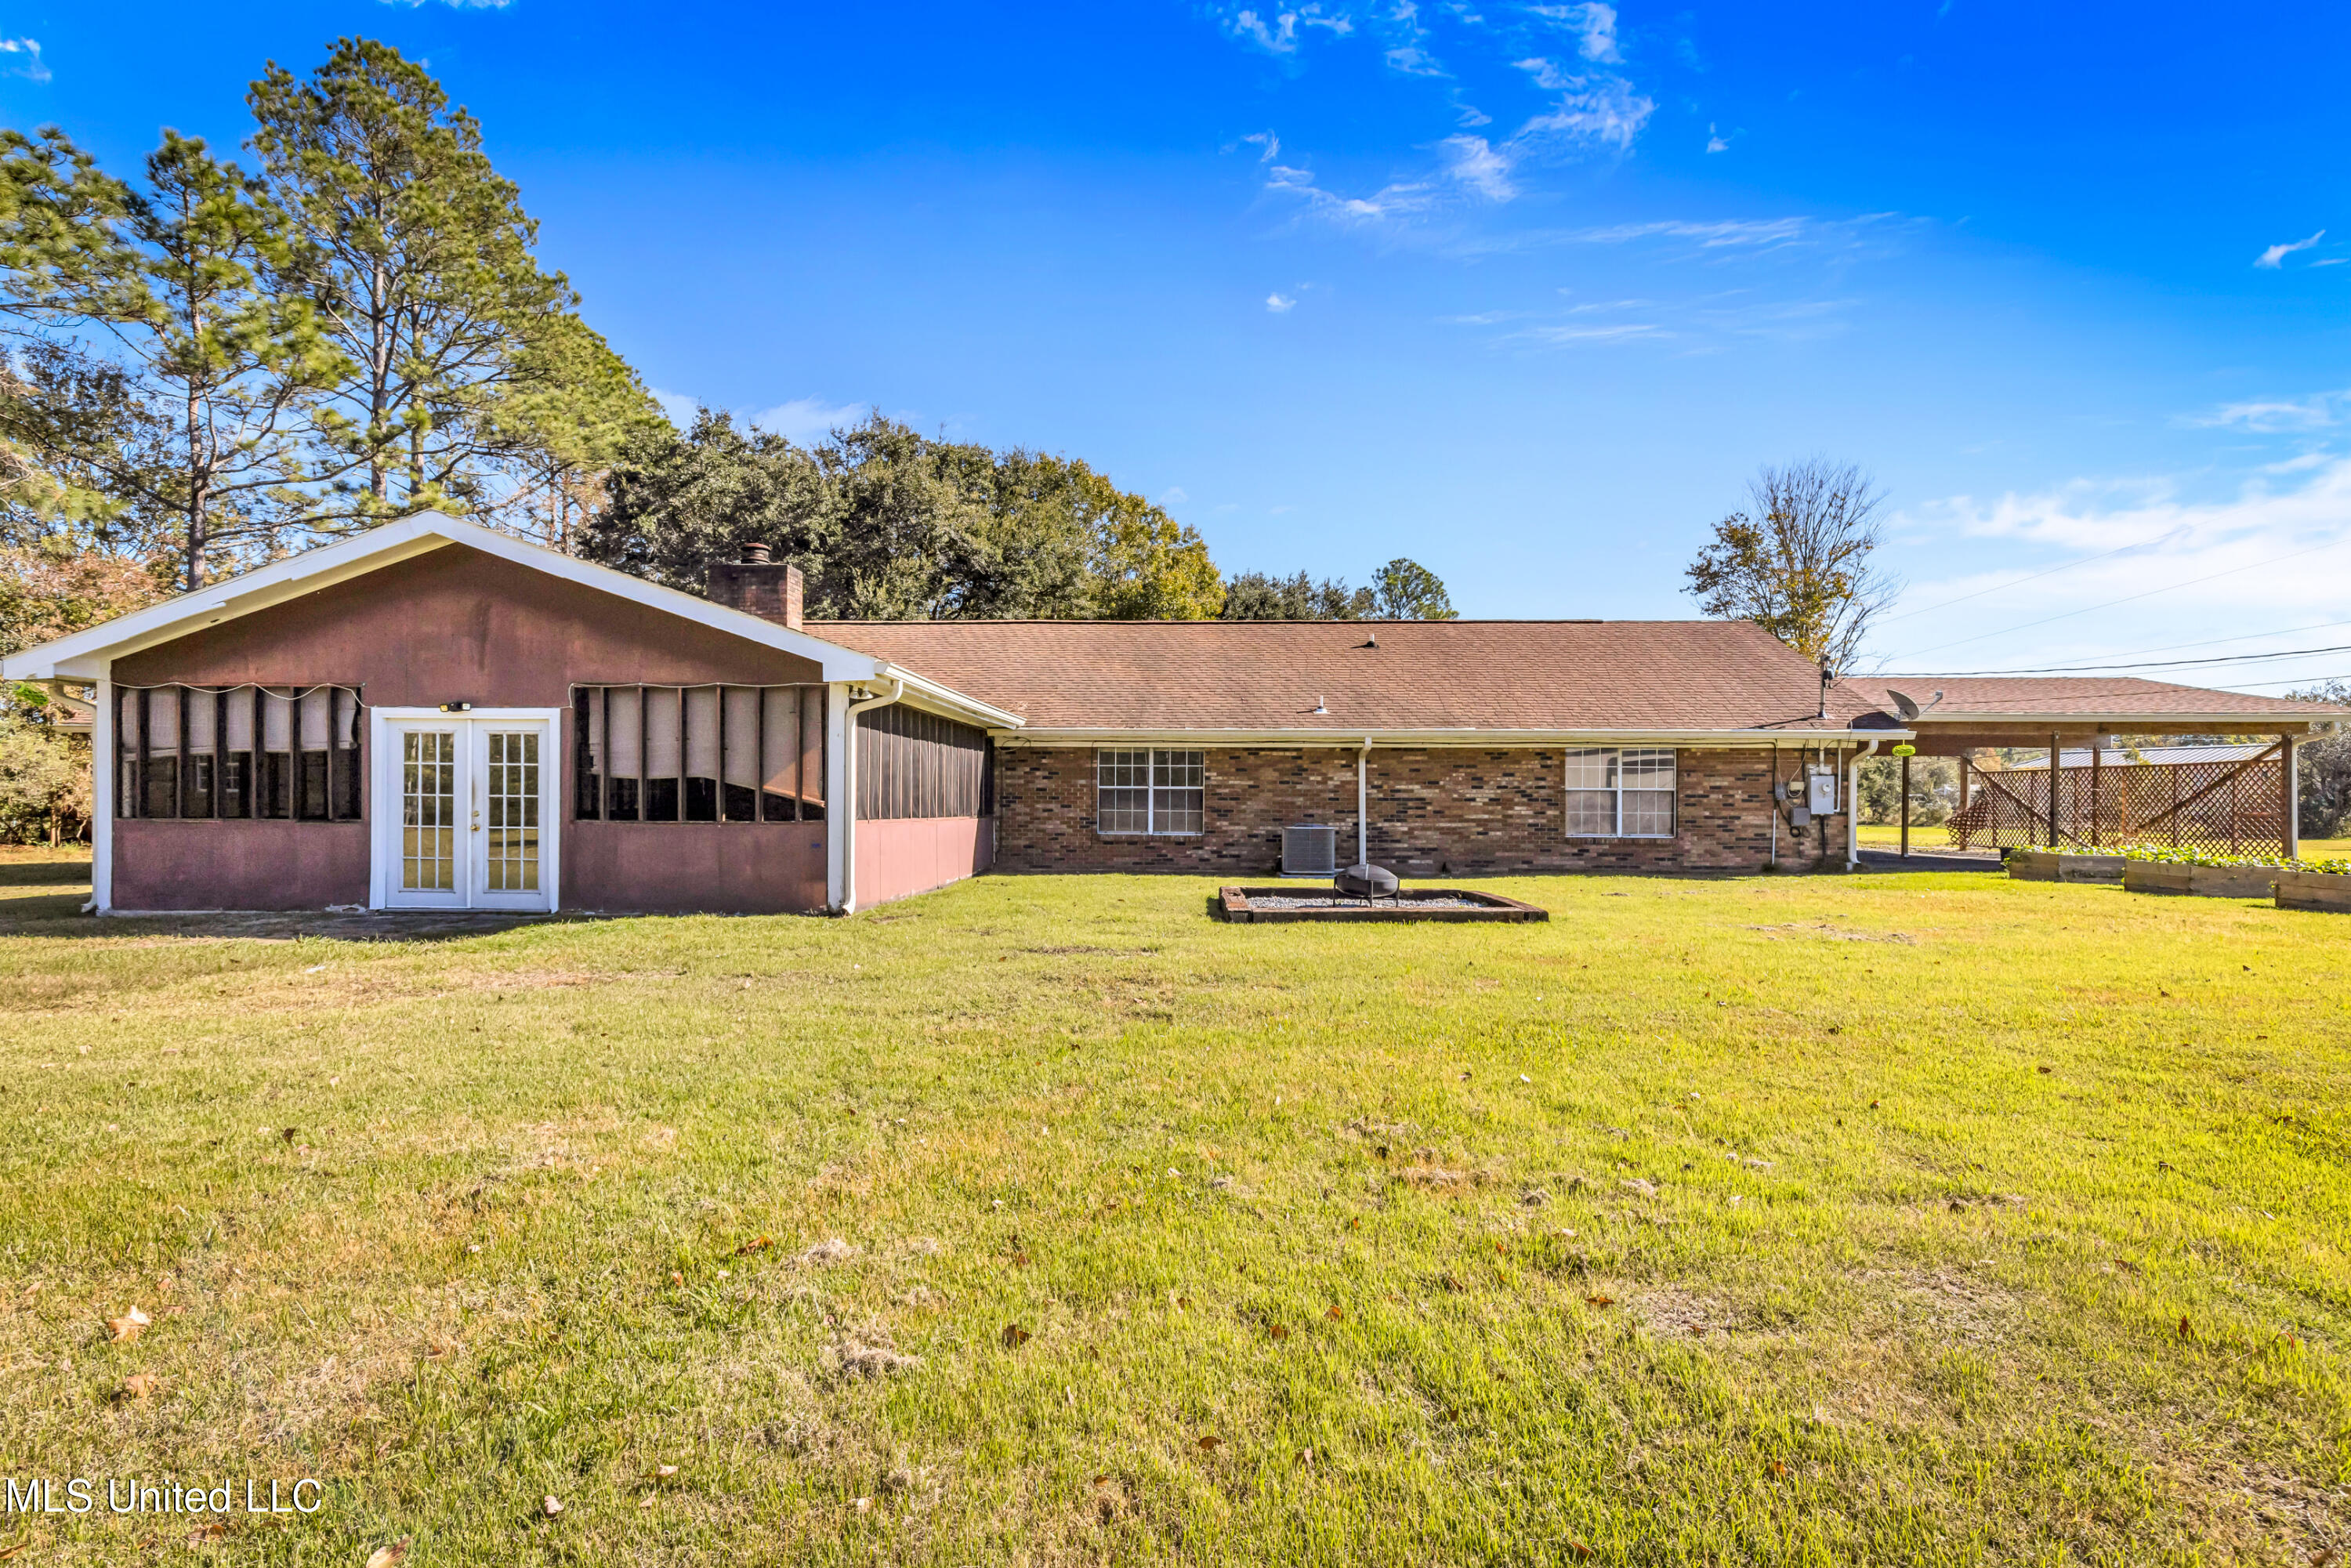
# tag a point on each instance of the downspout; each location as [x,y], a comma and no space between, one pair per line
[1853,807]
[849,788]
[1362,804]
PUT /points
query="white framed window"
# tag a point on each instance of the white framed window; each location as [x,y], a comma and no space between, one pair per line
[1620,792]
[1138,791]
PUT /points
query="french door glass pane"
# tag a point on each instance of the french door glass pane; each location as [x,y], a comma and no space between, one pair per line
[428,807]
[510,811]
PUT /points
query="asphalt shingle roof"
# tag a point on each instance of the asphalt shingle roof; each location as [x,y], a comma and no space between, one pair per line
[2080,696]
[1456,674]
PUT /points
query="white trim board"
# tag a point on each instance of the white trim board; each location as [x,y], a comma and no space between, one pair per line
[1493,739]
[86,654]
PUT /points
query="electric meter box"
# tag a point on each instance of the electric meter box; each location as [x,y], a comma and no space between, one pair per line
[1821,789]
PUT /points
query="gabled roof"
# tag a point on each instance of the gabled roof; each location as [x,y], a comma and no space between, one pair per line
[86,654]
[1439,680]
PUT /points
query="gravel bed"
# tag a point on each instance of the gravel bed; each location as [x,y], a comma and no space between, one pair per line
[1332,901]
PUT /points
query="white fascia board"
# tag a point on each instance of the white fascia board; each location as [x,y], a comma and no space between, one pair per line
[2297,714]
[85,654]
[1351,739]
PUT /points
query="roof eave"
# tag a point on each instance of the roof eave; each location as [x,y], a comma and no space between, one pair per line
[1463,735]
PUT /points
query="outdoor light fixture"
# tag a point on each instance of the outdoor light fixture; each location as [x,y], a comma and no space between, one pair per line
[456,707]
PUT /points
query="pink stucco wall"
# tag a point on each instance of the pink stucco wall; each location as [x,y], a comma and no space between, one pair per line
[898,856]
[161,864]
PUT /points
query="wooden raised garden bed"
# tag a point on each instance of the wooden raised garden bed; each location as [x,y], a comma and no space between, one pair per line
[2313,890]
[2050,865]
[1269,905]
[2202,881]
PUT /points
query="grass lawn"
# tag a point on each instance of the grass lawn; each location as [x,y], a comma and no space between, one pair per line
[1928,1218]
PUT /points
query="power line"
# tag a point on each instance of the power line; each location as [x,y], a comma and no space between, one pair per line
[2212,642]
[2132,598]
[2085,561]
[2150,664]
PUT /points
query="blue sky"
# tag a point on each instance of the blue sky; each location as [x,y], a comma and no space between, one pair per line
[1525,291]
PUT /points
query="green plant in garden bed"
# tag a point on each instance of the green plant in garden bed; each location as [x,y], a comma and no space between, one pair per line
[2177,854]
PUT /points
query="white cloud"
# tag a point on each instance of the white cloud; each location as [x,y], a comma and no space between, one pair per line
[2157,567]
[1714,140]
[2274,257]
[806,419]
[1394,199]
[1173,497]
[680,408]
[1601,108]
[1267,145]
[1280,304]
[455,5]
[1593,27]
[2275,415]
[1560,336]
[1547,74]
[1278,32]
[30,51]
[1471,161]
[1719,233]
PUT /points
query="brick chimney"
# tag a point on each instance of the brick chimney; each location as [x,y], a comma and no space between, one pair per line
[768,589]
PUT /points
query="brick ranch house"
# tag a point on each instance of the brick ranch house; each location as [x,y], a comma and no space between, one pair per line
[436,715]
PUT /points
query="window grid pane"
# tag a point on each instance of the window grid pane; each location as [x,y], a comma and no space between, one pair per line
[1621,792]
[1178,791]
[1122,791]
[1648,813]
[428,799]
[1592,813]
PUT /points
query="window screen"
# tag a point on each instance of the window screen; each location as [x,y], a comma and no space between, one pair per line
[1150,791]
[1620,792]
[291,753]
[697,754]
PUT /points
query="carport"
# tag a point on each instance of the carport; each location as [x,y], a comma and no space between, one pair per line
[2239,803]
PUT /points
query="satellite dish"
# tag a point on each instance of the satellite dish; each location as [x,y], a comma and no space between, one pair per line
[1907,706]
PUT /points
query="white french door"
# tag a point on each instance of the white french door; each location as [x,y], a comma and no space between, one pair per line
[465,811]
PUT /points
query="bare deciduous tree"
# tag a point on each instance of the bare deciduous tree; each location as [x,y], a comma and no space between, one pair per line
[1797,562]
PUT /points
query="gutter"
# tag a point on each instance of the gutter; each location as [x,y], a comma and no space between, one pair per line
[849,789]
[1347,740]
[948,702]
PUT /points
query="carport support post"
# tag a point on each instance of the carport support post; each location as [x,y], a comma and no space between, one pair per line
[1906,808]
[2055,777]
[1362,804]
[2291,789]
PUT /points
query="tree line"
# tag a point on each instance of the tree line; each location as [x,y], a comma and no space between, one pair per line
[217,361]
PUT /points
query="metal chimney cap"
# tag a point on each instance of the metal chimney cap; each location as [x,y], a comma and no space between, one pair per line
[755,553]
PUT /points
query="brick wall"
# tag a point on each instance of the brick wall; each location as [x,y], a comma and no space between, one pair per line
[1453,812]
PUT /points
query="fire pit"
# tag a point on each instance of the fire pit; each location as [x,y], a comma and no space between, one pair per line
[1274,904]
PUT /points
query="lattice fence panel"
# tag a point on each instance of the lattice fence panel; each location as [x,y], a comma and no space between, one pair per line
[2233,807]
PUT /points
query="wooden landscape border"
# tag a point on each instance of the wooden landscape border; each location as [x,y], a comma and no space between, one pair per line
[1233,903]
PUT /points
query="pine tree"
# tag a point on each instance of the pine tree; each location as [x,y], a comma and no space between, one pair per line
[177,277]
[417,256]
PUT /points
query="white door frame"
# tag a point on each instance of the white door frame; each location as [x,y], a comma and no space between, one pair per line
[383,805]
